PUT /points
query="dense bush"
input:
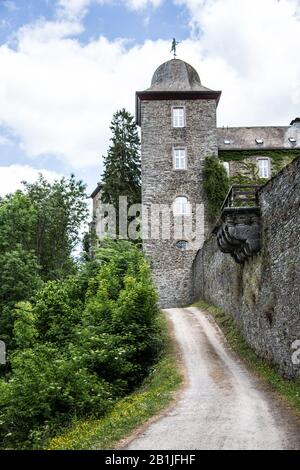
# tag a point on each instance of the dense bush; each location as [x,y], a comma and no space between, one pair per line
[45,219]
[46,387]
[19,279]
[121,309]
[80,344]
[59,308]
[39,228]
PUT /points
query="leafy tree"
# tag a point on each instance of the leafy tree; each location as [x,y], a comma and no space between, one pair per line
[61,210]
[46,219]
[59,310]
[122,165]
[19,279]
[25,330]
[39,228]
[82,343]
[18,219]
[215,185]
[120,315]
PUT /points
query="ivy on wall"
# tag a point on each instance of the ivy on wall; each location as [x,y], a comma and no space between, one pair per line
[248,174]
[216,185]
[279,158]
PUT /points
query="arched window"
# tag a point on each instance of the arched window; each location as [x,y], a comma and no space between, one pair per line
[181,206]
[182,245]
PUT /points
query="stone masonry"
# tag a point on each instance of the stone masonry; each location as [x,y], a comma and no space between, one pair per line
[177,84]
[263,294]
[161,183]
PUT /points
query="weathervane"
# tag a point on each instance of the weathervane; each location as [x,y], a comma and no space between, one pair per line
[174,44]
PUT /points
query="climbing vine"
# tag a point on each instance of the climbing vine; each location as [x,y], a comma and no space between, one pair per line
[279,158]
[216,182]
[216,185]
[248,174]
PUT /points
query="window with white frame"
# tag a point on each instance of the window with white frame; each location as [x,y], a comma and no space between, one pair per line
[181,206]
[263,168]
[178,116]
[226,166]
[179,159]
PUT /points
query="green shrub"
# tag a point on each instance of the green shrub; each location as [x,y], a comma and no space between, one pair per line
[120,316]
[19,280]
[59,309]
[81,344]
[25,330]
[47,385]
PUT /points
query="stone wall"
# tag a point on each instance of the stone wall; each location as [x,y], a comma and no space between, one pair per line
[161,184]
[263,295]
[278,159]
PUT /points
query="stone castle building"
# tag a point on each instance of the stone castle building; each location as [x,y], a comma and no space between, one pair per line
[177,116]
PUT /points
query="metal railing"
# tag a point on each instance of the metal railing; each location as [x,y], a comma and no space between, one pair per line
[242,195]
[239,196]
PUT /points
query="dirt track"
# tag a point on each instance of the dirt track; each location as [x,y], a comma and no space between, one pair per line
[223,406]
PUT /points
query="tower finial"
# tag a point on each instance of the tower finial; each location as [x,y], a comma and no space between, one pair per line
[173,48]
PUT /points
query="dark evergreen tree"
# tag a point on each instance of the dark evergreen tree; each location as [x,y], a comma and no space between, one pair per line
[122,164]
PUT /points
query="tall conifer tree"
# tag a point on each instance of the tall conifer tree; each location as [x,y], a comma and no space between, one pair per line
[122,164]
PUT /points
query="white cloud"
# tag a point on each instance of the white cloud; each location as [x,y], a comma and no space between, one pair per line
[249,49]
[11,177]
[74,9]
[46,31]
[142,4]
[58,95]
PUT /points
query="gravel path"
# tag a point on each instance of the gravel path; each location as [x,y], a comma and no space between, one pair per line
[223,406]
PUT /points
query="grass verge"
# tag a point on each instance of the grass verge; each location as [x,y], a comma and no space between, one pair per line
[130,412]
[288,389]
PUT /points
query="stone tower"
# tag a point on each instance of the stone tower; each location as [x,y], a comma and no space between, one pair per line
[177,116]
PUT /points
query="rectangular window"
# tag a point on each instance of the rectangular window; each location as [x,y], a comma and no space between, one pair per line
[179,159]
[178,117]
[263,168]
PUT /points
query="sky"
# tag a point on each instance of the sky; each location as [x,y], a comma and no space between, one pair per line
[67,65]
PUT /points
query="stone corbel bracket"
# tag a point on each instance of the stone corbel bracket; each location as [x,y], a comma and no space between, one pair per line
[240,232]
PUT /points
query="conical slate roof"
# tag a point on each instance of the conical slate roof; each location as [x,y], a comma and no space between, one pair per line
[174,80]
[176,75]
